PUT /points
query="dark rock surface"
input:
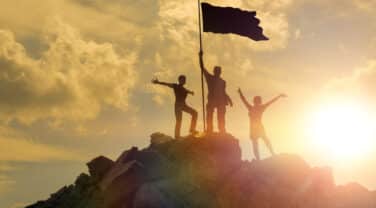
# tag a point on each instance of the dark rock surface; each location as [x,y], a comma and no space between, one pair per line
[204,172]
[99,166]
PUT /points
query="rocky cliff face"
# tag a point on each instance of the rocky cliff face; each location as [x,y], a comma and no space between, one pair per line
[204,172]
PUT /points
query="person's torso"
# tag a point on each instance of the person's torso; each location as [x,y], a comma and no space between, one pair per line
[216,89]
[255,115]
[180,94]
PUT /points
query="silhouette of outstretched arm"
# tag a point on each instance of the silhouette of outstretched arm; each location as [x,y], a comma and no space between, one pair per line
[191,92]
[275,99]
[156,81]
[206,73]
[246,103]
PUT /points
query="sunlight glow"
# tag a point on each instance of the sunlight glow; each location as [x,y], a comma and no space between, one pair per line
[344,131]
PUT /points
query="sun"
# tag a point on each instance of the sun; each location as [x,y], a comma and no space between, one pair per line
[343,130]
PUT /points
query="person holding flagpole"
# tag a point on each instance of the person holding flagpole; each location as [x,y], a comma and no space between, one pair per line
[222,20]
[218,99]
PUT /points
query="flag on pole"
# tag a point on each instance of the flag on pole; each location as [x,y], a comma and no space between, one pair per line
[231,20]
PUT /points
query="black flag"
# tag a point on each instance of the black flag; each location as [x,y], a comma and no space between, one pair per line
[231,20]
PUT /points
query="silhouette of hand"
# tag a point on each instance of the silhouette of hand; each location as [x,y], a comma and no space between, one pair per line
[229,102]
[239,90]
[192,93]
[155,81]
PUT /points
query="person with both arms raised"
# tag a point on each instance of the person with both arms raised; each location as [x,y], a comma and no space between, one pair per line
[257,130]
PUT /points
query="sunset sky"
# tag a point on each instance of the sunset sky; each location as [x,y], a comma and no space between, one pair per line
[75,83]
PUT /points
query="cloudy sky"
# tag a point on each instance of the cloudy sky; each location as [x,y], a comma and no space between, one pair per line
[75,79]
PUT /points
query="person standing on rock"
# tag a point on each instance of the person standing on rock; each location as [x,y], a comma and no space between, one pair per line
[257,130]
[217,97]
[181,106]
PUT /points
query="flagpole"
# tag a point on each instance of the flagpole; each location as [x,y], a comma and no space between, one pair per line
[202,70]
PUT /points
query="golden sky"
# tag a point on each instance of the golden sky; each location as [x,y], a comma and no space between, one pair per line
[75,80]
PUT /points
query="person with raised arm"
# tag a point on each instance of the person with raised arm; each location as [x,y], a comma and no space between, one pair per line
[181,106]
[217,97]
[257,130]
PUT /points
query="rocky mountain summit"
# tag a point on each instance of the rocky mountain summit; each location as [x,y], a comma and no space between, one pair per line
[204,172]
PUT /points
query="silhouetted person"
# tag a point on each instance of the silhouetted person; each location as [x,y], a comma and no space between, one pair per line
[181,94]
[217,97]
[257,130]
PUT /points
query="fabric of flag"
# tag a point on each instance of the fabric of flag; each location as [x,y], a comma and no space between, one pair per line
[231,20]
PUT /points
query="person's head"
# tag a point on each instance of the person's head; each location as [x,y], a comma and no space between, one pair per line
[257,100]
[182,79]
[217,71]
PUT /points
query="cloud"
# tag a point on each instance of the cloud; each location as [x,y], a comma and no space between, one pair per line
[71,80]
[15,147]
[365,5]
[164,36]
[297,34]
[127,10]
[30,151]
[344,8]
[361,83]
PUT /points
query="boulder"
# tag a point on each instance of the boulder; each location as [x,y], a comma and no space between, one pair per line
[120,184]
[99,166]
[159,138]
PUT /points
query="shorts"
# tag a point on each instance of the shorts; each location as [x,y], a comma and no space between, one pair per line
[257,131]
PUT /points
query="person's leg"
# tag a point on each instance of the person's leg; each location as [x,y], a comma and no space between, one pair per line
[221,111]
[268,144]
[255,148]
[193,114]
[178,116]
[209,118]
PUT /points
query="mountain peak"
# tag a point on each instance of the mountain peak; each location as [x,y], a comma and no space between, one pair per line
[205,171]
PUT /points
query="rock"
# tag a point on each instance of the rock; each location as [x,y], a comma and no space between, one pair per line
[205,172]
[127,156]
[353,195]
[159,138]
[156,194]
[99,166]
[83,181]
[120,184]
